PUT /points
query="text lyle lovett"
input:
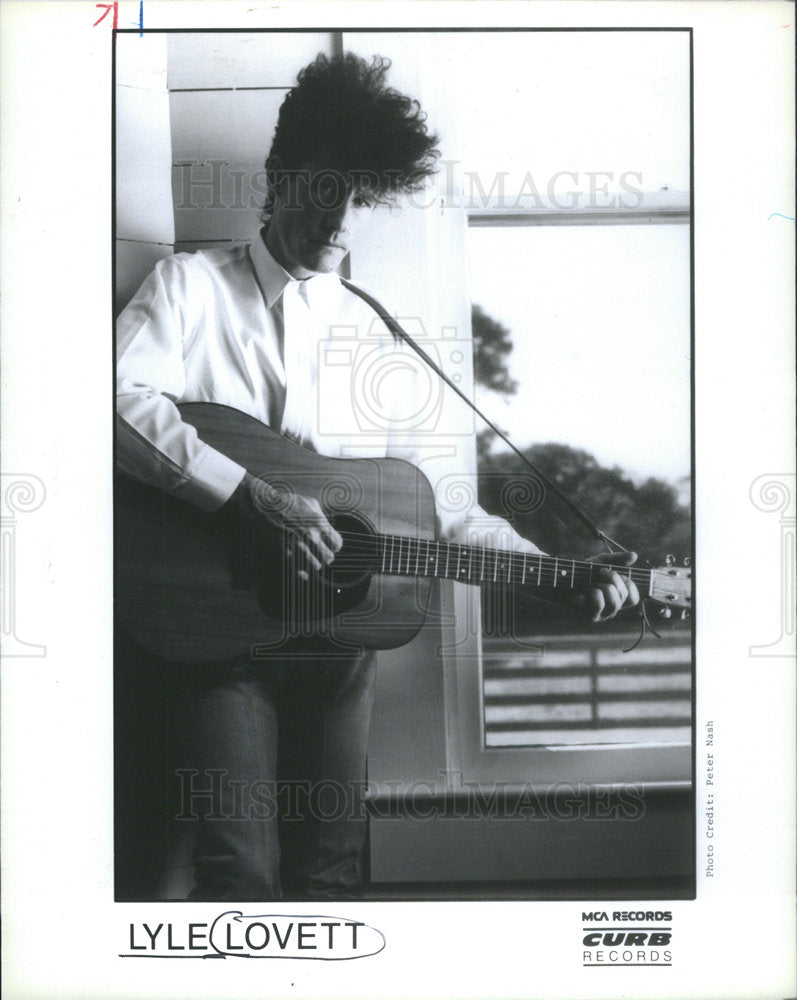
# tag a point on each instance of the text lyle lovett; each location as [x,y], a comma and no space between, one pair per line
[234,934]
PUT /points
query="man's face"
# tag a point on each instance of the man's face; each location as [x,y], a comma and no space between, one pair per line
[315,221]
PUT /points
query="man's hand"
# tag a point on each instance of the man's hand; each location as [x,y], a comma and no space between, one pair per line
[612,590]
[609,593]
[288,520]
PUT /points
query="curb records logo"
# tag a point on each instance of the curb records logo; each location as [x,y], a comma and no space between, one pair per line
[626,937]
[234,934]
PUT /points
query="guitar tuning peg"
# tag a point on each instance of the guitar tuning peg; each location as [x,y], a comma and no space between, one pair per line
[665,613]
[669,560]
[684,615]
[688,561]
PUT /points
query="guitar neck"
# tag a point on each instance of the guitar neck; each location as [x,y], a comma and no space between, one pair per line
[406,556]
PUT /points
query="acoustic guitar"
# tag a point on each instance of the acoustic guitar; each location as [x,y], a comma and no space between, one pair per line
[196,588]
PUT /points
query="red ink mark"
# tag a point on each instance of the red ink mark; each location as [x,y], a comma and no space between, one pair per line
[108,8]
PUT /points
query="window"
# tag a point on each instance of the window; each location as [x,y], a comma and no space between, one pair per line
[598,317]
[579,244]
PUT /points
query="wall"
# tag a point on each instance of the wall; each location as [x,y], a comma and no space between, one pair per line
[224,94]
[144,217]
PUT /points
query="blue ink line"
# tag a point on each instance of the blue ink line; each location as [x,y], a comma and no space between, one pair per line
[140,22]
[788,218]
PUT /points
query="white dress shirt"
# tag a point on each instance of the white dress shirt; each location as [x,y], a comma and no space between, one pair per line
[211,327]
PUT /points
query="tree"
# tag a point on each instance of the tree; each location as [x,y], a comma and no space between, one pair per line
[648,518]
[492,345]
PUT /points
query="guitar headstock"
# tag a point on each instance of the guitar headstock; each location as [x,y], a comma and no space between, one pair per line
[671,585]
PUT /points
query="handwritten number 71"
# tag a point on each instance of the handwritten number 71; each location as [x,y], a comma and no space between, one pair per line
[108,7]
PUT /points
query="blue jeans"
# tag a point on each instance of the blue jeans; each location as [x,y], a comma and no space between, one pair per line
[264,763]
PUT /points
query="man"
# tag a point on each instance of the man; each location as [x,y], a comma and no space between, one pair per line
[247,327]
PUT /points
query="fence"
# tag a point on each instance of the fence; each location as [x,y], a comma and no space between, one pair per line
[567,689]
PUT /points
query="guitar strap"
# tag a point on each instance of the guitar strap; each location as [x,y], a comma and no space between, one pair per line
[400,333]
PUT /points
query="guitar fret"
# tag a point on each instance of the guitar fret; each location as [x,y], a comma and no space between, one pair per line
[423,557]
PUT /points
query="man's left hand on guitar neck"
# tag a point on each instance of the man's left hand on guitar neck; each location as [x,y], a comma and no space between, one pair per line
[613,591]
[610,593]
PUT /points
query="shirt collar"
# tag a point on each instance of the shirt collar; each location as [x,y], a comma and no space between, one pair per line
[272,277]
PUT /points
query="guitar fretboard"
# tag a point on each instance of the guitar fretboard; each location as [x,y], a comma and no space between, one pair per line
[407,556]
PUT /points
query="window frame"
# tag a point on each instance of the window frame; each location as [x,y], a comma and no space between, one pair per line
[651,764]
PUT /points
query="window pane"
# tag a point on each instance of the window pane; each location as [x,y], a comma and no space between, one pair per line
[599,319]
[546,114]
[600,324]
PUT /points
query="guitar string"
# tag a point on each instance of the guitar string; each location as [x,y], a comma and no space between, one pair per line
[411,546]
[369,556]
[471,575]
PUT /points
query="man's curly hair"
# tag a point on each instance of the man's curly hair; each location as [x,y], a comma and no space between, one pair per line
[342,115]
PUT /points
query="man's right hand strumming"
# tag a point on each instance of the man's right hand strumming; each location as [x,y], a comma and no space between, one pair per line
[293,522]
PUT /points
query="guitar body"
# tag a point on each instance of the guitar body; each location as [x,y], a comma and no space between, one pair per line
[195,588]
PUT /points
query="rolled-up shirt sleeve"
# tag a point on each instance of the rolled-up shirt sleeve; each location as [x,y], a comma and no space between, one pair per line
[154,445]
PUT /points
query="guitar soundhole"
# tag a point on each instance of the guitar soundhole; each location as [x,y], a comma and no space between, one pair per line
[357,559]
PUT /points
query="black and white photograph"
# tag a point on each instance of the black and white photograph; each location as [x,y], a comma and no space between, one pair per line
[369,644]
[398,500]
